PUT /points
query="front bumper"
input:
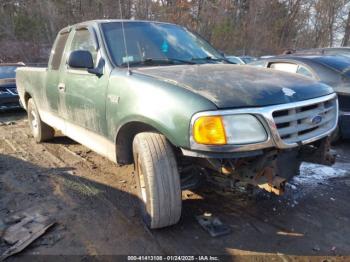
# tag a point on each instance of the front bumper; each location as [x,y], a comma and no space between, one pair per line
[287,125]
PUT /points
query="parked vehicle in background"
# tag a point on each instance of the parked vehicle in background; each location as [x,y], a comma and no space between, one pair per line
[343,51]
[264,57]
[240,59]
[9,98]
[169,102]
[331,70]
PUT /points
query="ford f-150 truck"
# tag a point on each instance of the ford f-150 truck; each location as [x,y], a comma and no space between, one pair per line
[159,96]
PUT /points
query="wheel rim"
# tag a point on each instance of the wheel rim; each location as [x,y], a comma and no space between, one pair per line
[142,180]
[34,122]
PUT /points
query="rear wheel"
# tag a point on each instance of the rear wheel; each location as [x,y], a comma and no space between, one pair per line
[41,131]
[158,180]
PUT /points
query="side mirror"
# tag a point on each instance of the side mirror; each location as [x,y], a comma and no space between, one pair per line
[81,59]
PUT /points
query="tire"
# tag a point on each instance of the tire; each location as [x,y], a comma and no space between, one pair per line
[41,131]
[158,180]
[288,164]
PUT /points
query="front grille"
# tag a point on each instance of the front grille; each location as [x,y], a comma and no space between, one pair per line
[297,124]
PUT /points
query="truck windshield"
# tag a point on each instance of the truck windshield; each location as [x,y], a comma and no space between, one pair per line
[150,43]
[7,72]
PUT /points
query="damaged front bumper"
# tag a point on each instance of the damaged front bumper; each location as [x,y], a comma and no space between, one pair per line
[296,132]
[269,170]
[288,126]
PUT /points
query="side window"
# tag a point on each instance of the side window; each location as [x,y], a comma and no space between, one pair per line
[58,51]
[83,40]
[286,67]
[304,71]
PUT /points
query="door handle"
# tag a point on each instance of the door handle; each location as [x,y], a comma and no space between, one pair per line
[61,87]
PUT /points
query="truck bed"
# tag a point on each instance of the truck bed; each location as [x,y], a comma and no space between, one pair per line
[31,80]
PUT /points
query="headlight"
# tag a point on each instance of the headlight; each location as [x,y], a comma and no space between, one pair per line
[244,129]
[229,129]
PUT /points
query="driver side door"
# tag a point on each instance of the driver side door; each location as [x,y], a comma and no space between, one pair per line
[83,103]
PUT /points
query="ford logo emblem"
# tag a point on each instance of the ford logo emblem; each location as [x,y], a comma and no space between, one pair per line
[316,120]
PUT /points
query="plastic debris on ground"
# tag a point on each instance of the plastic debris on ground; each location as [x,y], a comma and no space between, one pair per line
[213,225]
[22,230]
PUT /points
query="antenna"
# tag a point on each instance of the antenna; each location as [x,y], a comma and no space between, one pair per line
[123,32]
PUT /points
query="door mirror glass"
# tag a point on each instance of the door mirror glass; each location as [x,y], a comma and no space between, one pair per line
[81,59]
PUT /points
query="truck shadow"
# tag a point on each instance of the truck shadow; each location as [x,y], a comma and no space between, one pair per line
[62,140]
[103,216]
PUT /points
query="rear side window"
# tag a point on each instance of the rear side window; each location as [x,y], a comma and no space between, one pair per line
[58,51]
[83,41]
[286,67]
[302,70]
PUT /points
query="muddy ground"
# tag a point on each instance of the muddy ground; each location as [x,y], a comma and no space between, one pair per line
[93,202]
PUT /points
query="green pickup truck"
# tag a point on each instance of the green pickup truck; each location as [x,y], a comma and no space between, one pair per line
[159,96]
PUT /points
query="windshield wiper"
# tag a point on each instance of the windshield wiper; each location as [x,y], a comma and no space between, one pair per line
[155,61]
[202,58]
[209,58]
[167,60]
[182,61]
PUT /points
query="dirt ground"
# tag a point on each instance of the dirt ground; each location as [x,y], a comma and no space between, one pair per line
[93,203]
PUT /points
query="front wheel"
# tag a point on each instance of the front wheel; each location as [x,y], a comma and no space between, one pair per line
[158,180]
[41,131]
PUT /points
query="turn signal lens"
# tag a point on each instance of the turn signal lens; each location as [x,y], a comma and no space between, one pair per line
[209,130]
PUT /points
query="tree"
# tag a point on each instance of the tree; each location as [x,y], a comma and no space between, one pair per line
[29,27]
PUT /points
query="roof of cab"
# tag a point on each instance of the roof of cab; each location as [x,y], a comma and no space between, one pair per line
[101,21]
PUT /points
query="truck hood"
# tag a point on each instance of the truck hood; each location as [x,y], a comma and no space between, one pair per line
[231,86]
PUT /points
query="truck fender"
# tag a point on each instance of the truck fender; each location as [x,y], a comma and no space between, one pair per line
[125,136]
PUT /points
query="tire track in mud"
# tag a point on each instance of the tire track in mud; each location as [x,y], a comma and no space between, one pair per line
[86,165]
[28,150]
[98,208]
[55,155]
[108,170]
[25,148]
[92,167]
[92,164]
